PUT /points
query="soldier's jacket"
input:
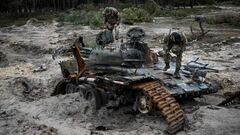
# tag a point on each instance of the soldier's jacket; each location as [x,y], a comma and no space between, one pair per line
[111,16]
[177,46]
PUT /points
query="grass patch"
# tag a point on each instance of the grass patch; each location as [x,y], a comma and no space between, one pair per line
[82,17]
[134,14]
[178,13]
[92,16]
[230,19]
[181,13]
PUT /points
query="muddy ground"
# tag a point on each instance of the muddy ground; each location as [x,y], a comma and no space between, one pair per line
[25,48]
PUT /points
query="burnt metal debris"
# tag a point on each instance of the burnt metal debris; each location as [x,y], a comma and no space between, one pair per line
[230,98]
[41,68]
[197,71]
[130,73]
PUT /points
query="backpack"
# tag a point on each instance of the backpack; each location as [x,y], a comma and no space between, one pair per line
[175,38]
[104,37]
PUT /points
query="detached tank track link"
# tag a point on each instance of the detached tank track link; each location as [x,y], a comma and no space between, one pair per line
[166,104]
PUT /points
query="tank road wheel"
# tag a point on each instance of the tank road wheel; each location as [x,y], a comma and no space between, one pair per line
[144,104]
[60,88]
[70,88]
[81,89]
[91,94]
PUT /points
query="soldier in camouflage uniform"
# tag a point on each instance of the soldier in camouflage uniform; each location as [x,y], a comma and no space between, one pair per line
[176,43]
[111,20]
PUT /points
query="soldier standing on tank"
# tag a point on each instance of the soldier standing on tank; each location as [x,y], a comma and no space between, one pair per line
[176,43]
[112,20]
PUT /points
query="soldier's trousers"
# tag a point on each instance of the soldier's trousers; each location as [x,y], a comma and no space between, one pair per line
[176,49]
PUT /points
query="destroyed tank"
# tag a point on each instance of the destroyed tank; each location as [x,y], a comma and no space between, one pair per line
[130,73]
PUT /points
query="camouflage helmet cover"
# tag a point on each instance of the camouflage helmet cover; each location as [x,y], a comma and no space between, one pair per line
[111,15]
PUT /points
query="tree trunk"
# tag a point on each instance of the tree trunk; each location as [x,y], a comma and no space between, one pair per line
[34,5]
[54,5]
[191,3]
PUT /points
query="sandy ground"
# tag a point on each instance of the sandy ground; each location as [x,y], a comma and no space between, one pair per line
[24,48]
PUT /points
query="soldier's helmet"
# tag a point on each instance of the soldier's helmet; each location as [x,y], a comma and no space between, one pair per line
[110,11]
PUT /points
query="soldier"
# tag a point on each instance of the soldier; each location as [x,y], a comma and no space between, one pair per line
[176,43]
[111,20]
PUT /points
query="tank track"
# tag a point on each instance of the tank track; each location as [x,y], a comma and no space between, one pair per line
[165,103]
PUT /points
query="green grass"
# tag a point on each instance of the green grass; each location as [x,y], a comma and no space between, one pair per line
[78,17]
[145,12]
[134,14]
[92,16]
[229,19]
[181,13]
[82,17]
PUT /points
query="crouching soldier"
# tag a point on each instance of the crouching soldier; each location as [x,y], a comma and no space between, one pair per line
[112,20]
[175,42]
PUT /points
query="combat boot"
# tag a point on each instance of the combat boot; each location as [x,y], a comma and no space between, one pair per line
[167,66]
[177,74]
